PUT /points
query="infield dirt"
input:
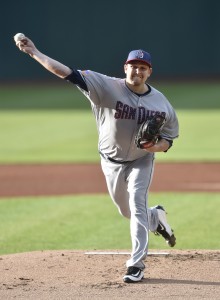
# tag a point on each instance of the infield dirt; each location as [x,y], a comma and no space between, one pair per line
[63,179]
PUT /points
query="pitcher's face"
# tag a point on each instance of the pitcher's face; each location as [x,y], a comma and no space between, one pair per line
[137,73]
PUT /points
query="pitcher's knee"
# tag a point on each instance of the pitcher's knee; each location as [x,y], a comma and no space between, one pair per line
[125,212]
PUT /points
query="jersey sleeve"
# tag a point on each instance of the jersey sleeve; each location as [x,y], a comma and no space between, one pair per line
[98,86]
[170,130]
[76,78]
[91,84]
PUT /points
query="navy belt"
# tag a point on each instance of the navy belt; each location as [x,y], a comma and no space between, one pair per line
[113,160]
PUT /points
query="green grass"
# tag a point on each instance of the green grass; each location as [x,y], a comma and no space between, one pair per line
[48,136]
[71,136]
[198,140]
[54,123]
[61,95]
[191,95]
[92,222]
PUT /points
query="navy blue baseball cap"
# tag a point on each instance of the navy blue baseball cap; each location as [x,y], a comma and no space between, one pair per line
[139,55]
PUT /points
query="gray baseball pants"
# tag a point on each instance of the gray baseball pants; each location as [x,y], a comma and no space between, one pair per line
[128,185]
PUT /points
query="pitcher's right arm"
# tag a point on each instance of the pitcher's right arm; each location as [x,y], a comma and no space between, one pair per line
[53,66]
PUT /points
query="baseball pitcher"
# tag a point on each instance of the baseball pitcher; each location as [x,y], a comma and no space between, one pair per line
[134,120]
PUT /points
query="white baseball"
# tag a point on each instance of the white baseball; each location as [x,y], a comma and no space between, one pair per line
[18,37]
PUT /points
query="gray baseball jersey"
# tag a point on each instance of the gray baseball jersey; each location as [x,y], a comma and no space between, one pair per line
[127,169]
[119,112]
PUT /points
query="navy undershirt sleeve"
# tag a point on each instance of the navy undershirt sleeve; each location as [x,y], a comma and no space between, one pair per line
[76,78]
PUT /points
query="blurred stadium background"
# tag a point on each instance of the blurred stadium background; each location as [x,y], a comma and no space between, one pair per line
[182,36]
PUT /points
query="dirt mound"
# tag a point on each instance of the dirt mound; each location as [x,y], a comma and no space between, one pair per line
[76,275]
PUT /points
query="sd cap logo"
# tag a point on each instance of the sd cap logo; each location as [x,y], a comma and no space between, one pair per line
[140,54]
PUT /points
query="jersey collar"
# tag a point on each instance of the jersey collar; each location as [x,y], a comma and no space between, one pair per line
[140,95]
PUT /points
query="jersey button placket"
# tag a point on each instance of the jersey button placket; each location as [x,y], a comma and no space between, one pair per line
[133,146]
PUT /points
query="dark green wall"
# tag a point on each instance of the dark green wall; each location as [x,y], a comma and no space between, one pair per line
[182,36]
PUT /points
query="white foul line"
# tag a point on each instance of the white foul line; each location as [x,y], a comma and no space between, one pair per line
[122,253]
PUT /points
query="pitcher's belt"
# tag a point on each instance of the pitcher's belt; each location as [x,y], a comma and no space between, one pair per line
[114,160]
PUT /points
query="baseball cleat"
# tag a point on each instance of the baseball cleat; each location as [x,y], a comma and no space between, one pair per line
[164,228]
[133,275]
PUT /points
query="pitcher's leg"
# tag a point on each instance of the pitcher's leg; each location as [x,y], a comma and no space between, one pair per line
[139,180]
[117,186]
[128,186]
[139,234]
[153,218]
